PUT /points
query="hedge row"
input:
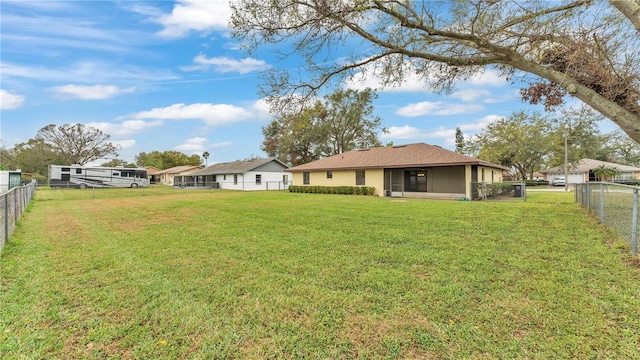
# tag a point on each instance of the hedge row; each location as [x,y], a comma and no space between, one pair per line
[347,190]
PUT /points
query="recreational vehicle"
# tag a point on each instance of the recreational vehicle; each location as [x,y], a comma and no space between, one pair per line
[76,176]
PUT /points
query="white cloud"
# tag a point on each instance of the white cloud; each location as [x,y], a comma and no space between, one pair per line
[447,134]
[437,108]
[468,95]
[488,78]
[409,132]
[124,144]
[481,123]
[194,15]
[369,77]
[225,64]
[95,92]
[192,145]
[9,100]
[505,97]
[87,72]
[261,109]
[221,144]
[125,128]
[211,114]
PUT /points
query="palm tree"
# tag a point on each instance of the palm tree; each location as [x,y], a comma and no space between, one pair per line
[605,173]
[205,155]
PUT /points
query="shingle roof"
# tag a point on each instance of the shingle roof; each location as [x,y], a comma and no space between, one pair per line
[585,165]
[236,167]
[178,169]
[401,156]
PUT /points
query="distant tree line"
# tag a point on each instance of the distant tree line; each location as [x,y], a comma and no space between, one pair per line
[531,142]
[79,144]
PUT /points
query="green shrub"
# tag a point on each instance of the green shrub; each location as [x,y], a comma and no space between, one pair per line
[344,190]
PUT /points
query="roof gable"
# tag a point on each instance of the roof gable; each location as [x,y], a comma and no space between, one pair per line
[585,165]
[241,167]
[401,156]
[178,169]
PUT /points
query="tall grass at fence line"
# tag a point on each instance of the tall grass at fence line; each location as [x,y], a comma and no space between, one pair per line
[209,274]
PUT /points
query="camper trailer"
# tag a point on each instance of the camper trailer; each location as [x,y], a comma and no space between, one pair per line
[80,177]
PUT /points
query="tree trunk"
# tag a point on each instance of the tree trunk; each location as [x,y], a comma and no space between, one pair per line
[625,119]
[630,9]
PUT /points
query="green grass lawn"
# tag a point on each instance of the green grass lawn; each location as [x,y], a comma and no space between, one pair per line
[172,274]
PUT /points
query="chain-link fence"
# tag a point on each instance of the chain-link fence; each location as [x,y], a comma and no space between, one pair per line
[12,205]
[508,190]
[616,205]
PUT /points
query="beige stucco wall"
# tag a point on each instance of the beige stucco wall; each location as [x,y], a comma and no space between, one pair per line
[497,176]
[491,175]
[372,177]
[438,182]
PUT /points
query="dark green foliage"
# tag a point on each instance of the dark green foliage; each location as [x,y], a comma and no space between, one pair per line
[344,190]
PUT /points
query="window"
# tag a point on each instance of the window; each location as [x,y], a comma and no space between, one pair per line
[482,174]
[329,175]
[258,179]
[235,179]
[116,173]
[285,178]
[65,169]
[78,170]
[305,178]
[224,177]
[360,177]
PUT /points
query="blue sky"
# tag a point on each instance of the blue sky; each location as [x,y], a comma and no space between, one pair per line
[166,75]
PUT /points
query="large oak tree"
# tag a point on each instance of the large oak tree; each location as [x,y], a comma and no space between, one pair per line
[77,143]
[522,141]
[588,49]
[342,121]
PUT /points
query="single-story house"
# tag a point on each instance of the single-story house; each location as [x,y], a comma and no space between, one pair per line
[413,170]
[582,171]
[167,176]
[153,174]
[254,174]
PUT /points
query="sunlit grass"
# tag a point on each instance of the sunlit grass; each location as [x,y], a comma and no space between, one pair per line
[209,274]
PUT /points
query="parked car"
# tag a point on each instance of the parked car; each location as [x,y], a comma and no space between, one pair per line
[558,181]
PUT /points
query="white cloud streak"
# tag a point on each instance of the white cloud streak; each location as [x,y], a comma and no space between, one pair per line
[125,128]
[94,92]
[211,114]
[437,108]
[192,145]
[225,64]
[10,100]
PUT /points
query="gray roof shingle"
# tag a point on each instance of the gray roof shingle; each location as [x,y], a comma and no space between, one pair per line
[585,165]
[236,167]
[401,156]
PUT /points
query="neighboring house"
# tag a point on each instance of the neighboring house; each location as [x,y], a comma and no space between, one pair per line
[414,170]
[153,174]
[167,176]
[10,179]
[255,174]
[583,171]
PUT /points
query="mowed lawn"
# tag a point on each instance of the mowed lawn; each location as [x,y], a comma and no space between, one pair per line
[173,274]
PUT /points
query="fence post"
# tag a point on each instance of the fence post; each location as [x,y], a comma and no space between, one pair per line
[634,224]
[588,193]
[602,202]
[6,219]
